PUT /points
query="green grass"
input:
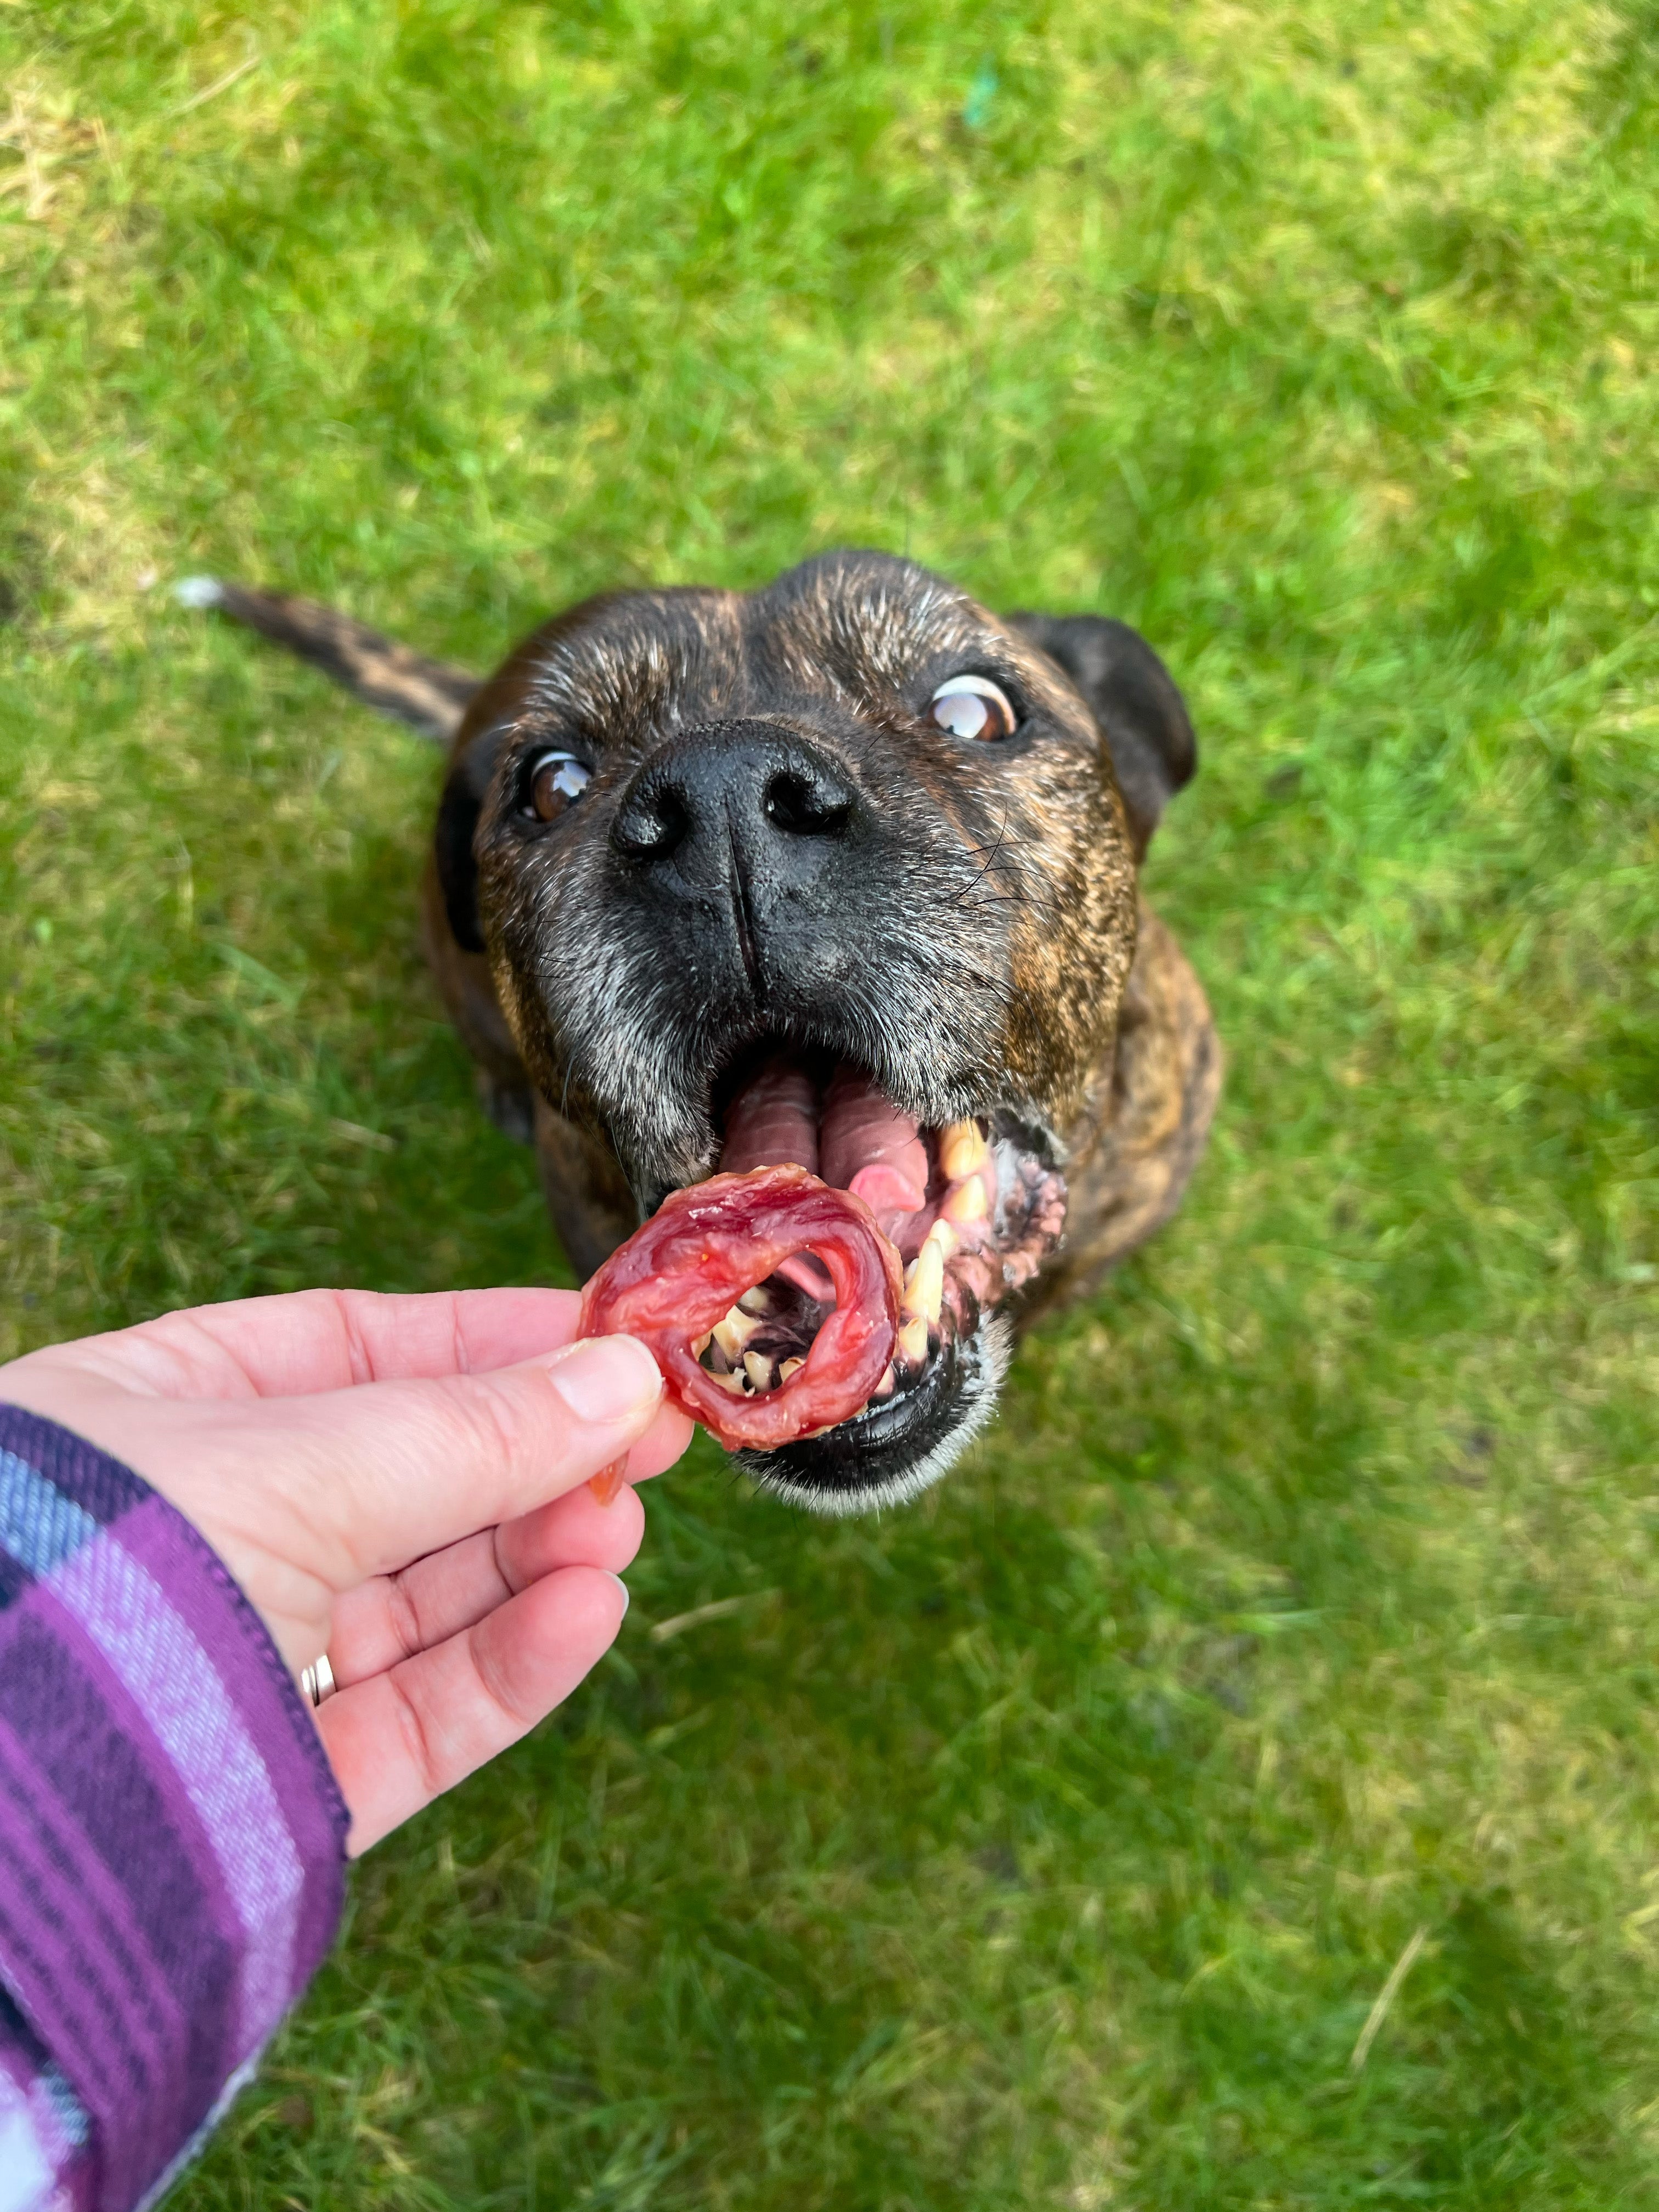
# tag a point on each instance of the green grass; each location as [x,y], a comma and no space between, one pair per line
[1046,1846]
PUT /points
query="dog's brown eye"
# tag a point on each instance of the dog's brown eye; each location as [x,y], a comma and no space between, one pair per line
[973,706]
[556,781]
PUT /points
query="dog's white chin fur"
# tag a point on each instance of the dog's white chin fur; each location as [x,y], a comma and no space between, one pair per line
[985,1358]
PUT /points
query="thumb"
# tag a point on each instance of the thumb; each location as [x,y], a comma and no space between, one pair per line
[382,1473]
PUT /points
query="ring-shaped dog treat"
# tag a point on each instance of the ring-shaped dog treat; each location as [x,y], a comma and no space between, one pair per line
[704,1247]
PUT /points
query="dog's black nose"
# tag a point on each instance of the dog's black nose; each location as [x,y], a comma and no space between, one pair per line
[745,793]
[746,844]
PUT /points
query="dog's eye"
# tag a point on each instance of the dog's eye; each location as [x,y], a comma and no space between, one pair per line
[973,706]
[556,781]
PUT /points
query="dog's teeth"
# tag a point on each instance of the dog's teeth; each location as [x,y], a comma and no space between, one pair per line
[967,1201]
[913,1342]
[734,1383]
[702,1344]
[924,1284]
[945,1238]
[758,1368]
[758,1301]
[888,1383]
[963,1149]
[735,1332]
[790,1367]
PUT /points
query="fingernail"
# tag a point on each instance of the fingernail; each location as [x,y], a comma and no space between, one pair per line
[607,1378]
[622,1587]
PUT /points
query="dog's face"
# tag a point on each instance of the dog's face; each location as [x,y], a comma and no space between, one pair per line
[822,872]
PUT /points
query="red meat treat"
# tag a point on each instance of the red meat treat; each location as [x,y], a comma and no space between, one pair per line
[700,1285]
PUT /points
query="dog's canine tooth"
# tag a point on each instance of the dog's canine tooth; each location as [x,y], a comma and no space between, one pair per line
[790,1367]
[913,1342]
[945,1238]
[758,1301]
[888,1383]
[758,1368]
[702,1344]
[967,1201]
[924,1284]
[733,1334]
[962,1150]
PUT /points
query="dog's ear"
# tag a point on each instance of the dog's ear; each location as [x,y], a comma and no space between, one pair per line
[1142,717]
[452,843]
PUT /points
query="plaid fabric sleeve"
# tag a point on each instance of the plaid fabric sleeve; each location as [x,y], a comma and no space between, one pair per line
[171,1840]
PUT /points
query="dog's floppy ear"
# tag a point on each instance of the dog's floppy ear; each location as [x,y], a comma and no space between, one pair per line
[452,844]
[1142,716]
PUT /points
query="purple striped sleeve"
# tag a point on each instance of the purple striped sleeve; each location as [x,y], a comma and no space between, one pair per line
[171,1840]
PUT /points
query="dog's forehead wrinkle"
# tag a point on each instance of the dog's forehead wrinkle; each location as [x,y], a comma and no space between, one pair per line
[888,631]
[641,662]
[863,624]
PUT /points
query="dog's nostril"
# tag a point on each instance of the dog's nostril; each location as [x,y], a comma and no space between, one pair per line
[804,807]
[652,824]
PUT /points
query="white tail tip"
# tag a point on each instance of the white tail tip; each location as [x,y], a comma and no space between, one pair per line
[198,592]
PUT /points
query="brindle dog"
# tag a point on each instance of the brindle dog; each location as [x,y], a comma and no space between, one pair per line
[853,819]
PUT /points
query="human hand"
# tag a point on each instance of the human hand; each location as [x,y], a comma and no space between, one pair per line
[397,1482]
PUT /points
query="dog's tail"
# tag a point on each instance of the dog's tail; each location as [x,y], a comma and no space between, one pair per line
[430,695]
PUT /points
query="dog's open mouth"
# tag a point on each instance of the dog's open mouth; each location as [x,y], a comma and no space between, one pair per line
[973,1207]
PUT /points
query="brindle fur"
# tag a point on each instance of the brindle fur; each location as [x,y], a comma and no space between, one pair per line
[1000,883]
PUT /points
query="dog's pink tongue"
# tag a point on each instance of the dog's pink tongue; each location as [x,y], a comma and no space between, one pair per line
[867,1146]
[773,1122]
[861,1142]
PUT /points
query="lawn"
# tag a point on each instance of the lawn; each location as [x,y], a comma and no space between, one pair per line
[1051,1844]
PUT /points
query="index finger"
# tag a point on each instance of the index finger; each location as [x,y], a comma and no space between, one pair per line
[302,1342]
